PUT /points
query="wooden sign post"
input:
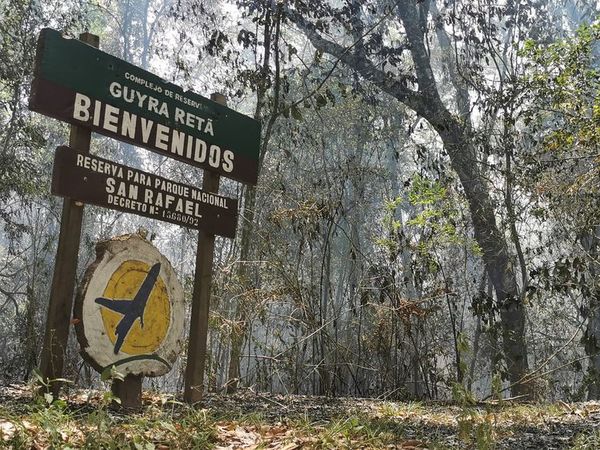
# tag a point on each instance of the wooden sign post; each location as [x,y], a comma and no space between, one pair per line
[196,355]
[58,320]
[95,91]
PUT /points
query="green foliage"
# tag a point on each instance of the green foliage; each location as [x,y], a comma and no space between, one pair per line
[18,136]
[497,387]
[587,441]
[461,395]
[392,409]
[111,373]
[562,84]
[44,394]
[425,192]
[59,426]
[22,136]
[53,420]
[357,429]
[436,219]
[476,429]
[462,341]
[311,423]
[438,216]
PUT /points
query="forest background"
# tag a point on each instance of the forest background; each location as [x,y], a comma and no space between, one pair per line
[426,220]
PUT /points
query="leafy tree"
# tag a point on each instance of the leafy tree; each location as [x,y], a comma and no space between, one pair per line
[562,86]
[27,216]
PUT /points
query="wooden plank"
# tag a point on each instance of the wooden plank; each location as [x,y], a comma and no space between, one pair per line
[95,180]
[197,345]
[58,320]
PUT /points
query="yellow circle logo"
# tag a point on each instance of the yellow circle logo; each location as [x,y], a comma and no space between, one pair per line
[136,308]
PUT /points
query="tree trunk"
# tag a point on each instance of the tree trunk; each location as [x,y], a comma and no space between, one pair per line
[591,337]
[493,246]
[272,28]
[239,329]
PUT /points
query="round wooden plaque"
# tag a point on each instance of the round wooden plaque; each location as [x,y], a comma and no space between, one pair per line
[129,311]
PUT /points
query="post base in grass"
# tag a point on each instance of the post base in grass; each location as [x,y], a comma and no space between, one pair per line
[129,391]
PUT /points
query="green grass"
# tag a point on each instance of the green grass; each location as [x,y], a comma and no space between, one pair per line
[88,422]
[587,441]
[59,427]
[394,409]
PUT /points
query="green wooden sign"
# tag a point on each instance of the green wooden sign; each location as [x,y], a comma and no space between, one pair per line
[84,86]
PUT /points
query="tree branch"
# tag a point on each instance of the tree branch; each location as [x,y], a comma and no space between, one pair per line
[395,87]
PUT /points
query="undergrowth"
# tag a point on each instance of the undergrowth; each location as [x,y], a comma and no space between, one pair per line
[91,423]
[58,426]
